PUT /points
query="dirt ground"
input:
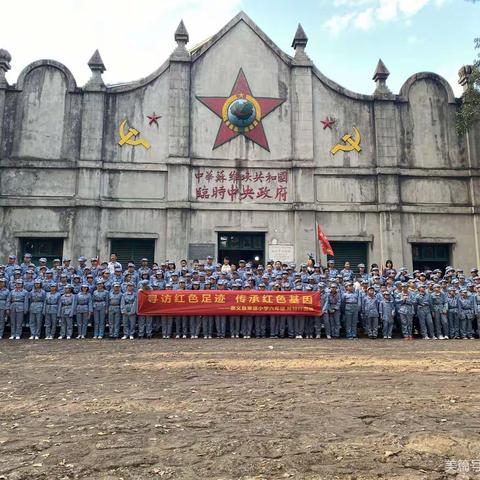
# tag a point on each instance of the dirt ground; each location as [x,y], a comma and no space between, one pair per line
[239,409]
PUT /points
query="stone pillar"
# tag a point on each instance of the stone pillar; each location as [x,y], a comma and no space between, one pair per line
[179,97]
[302,99]
[5,59]
[302,139]
[93,111]
[178,191]
[390,241]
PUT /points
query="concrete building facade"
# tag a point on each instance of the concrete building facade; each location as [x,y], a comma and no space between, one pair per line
[235,146]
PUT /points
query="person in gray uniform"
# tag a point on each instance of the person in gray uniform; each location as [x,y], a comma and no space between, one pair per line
[221,320]
[52,301]
[439,311]
[84,310]
[453,314]
[476,307]
[285,320]
[261,320]
[128,308]
[275,319]
[466,314]
[181,321]
[350,305]
[323,318]
[114,311]
[298,320]
[207,320]
[4,304]
[332,309]
[370,313]
[386,310]
[195,320]
[100,310]
[246,321]
[424,313]
[66,310]
[18,309]
[235,320]
[11,266]
[406,310]
[28,281]
[167,320]
[36,301]
[145,322]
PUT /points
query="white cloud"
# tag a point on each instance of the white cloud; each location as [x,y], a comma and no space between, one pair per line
[338,23]
[133,38]
[365,19]
[364,14]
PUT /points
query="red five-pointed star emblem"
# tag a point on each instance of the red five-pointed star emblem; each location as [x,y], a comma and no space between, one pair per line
[328,122]
[153,119]
[241,113]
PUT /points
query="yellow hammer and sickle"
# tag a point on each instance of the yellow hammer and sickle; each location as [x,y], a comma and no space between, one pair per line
[126,138]
[351,144]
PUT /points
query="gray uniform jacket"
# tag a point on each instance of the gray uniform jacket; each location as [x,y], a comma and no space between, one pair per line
[66,306]
[19,301]
[37,301]
[51,303]
[84,303]
[128,304]
[4,299]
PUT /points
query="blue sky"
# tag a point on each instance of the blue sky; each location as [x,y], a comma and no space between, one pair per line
[346,37]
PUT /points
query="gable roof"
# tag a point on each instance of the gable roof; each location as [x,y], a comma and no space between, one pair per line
[201,49]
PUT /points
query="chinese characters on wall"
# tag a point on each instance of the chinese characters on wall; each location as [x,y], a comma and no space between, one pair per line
[241,185]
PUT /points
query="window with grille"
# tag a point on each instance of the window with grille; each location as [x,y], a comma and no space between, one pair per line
[353,252]
[133,250]
[49,248]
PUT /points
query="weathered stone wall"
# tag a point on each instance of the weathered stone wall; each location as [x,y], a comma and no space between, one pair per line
[63,173]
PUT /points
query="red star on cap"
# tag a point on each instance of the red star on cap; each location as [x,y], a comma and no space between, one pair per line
[328,122]
[153,119]
[253,131]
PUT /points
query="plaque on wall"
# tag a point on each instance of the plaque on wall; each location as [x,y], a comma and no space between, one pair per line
[283,253]
[200,251]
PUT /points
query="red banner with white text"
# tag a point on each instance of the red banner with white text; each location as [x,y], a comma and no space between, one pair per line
[227,302]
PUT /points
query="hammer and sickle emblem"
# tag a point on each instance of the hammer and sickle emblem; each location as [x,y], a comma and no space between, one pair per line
[351,144]
[127,138]
[152,298]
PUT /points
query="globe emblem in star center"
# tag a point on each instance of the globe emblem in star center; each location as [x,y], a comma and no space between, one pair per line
[241,113]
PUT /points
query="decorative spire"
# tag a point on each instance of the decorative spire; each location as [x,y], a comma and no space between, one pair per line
[97,67]
[299,43]
[5,59]
[96,62]
[380,77]
[300,39]
[181,37]
[464,76]
[181,34]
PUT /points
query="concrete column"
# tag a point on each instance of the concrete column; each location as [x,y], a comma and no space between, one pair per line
[177,234]
[305,235]
[179,96]
[179,109]
[302,112]
[2,111]
[92,125]
[388,187]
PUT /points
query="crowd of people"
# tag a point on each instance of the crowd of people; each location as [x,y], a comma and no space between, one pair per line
[378,301]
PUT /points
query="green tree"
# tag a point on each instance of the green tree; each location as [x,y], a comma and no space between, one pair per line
[470,108]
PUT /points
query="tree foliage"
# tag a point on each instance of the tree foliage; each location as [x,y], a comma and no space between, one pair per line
[470,109]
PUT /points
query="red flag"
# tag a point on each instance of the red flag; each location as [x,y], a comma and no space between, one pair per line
[322,238]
